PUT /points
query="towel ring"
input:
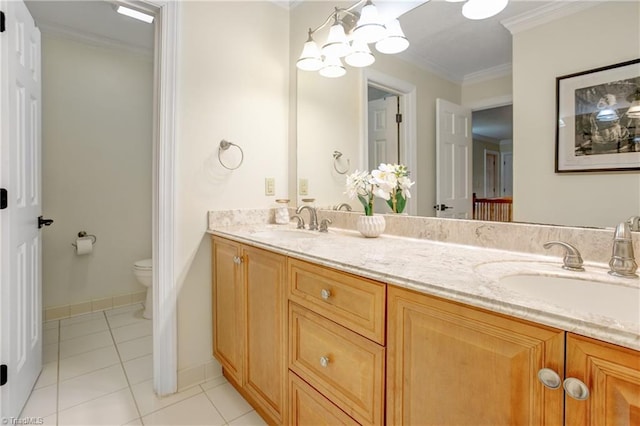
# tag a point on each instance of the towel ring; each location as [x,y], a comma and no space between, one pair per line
[225,145]
[336,158]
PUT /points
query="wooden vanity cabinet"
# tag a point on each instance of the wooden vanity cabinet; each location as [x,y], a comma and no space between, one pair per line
[249,324]
[449,364]
[612,376]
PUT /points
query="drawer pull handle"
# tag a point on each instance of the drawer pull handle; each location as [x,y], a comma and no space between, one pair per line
[549,378]
[324,361]
[325,294]
[576,389]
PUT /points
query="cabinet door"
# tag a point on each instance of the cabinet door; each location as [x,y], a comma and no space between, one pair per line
[265,369]
[227,304]
[612,375]
[449,364]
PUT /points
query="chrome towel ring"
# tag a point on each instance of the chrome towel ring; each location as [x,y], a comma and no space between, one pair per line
[336,159]
[225,145]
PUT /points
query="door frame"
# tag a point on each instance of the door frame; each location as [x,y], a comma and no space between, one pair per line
[408,147]
[165,342]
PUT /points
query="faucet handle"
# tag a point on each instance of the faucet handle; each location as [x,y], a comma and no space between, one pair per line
[300,221]
[324,225]
[572,259]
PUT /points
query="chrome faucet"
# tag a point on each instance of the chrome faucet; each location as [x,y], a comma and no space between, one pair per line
[313,216]
[623,262]
[572,259]
[634,223]
[346,206]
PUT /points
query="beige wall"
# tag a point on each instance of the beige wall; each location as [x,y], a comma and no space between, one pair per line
[96,168]
[496,90]
[569,45]
[236,91]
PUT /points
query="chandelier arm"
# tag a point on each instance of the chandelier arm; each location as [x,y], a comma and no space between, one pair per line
[337,10]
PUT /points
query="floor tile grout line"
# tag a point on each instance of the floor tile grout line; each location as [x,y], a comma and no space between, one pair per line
[226,422]
[124,370]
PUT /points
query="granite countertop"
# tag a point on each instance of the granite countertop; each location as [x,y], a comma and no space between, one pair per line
[461,273]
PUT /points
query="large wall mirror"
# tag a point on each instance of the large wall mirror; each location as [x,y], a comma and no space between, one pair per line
[333,114]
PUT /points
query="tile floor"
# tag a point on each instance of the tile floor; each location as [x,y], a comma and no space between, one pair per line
[97,370]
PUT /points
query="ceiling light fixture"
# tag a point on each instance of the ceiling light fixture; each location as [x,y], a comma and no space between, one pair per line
[136,14]
[350,33]
[483,9]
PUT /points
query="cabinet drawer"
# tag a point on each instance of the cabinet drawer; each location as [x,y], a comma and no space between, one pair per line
[345,367]
[354,302]
[308,407]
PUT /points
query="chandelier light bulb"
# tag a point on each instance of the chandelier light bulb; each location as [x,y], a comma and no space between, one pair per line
[483,9]
[310,58]
[369,29]
[337,43]
[395,41]
[360,55]
[332,67]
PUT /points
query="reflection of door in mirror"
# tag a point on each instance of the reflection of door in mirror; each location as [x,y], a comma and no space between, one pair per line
[454,157]
[507,174]
[383,131]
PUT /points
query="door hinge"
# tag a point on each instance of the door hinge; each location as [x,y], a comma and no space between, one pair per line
[3,374]
[3,26]
[4,199]
[398,118]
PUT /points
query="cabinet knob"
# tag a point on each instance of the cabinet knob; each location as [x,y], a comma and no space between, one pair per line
[238,260]
[325,294]
[576,388]
[549,378]
[324,361]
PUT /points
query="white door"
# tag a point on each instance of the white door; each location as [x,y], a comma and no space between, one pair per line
[507,174]
[383,138]
[454,159]
[20,246]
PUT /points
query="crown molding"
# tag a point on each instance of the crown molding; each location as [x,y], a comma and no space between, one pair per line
[61,31]
[547,13]
[487,74]
[431,67]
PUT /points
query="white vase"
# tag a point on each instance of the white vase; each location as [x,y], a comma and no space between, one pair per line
[371,226]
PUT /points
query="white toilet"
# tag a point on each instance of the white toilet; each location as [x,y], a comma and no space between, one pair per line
[142,269]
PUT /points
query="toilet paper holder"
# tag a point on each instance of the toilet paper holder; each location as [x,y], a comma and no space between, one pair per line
[83,234]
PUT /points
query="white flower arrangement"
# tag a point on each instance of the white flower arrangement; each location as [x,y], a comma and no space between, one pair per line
[389,181]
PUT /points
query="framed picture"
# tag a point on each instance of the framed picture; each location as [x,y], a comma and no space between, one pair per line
[598,119]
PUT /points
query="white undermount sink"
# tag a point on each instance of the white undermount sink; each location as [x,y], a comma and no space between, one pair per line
[283,234]
[612,300]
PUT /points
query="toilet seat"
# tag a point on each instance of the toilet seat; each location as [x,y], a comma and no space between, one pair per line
[143,265]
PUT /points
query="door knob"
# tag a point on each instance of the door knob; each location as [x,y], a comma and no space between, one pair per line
[549,378]
[576,388]
[324,361]
[441,207]
[44,222]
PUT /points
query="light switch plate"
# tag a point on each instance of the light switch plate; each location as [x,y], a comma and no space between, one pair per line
[304,186]
[269,186]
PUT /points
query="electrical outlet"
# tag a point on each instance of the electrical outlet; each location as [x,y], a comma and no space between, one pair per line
[304,186]
[269,186]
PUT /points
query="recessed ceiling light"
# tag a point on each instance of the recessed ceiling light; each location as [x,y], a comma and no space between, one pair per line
[135,14]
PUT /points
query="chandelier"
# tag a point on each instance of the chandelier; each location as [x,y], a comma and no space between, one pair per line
[349,38]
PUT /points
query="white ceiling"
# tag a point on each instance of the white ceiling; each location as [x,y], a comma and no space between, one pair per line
[92,20]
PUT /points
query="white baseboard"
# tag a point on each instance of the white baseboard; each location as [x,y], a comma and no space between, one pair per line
[94,305]
[192,376]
